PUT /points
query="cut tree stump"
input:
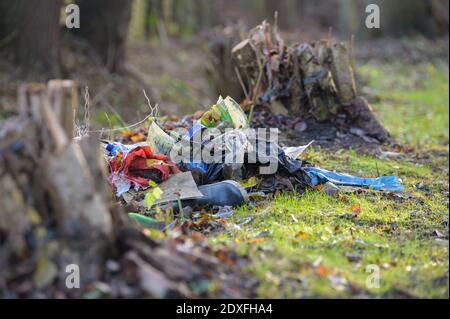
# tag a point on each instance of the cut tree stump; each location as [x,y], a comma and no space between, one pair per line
[67,195]
[63,98]
[314,81]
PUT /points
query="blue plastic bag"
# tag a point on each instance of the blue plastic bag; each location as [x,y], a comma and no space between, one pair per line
[384,183]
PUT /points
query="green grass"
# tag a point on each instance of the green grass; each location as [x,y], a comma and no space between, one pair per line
[312,245]
[413,101]
[395,235]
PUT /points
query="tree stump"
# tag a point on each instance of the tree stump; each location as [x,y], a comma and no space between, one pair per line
[314,81]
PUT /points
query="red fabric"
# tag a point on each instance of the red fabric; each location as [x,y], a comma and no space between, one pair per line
[137,160]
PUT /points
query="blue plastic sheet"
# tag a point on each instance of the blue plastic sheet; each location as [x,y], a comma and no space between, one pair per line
[384,183]
[190,166]
[194,129]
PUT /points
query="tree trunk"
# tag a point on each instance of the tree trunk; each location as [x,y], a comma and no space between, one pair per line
[32,28]
[138,22]
[104,23]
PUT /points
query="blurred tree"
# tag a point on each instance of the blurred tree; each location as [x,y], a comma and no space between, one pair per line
[32,31]
[406,17]
[167,12]
[350,17]
[439,10]
[178,17]
[287,12]
[104,23]
[138,25]
[204,13]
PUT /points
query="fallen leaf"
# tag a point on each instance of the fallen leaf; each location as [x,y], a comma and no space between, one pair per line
[197,236]
[319,187]
[126,133]
[302,235]
[250,182]
[356,209]
[45,273]
[139,137]
[152,195]
[257,240]
[245,104]
[321,270]
[224,258]
[153,233]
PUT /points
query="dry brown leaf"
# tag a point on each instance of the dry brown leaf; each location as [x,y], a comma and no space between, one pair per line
[356,209]
[302,235]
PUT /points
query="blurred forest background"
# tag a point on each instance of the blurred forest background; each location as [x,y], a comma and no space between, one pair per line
[178,50]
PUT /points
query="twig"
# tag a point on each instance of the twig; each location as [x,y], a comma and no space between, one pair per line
[260,68]
[148,100]
[250,114]
[118,116]
[256,88]
[110,125]
[123,128]
[276,32]
[247,96]
[86,108]
[83,128]
[330,33]
[153,109]
[180,206]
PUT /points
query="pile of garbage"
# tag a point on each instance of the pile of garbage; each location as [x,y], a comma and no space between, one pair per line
[224,157]
[216,160]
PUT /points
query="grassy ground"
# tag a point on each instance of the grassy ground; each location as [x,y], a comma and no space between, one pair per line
[319,246]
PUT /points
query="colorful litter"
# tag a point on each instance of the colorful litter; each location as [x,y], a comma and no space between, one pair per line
[229,177]
[137,166]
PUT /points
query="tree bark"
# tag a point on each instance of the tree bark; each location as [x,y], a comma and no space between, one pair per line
[104,23]
[33,29]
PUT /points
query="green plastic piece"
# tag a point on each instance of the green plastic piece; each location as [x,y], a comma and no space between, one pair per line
[143,220]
